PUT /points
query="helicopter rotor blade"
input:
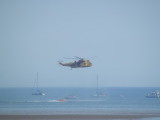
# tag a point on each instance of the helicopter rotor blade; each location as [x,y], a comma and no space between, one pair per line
[68,58]
[78,57]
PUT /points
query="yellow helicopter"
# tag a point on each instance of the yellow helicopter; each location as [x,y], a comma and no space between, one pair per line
[77,64]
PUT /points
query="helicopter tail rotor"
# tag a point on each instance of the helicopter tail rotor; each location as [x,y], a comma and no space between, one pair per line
[59,62]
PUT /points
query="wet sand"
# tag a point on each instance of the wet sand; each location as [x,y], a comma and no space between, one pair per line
[74,117]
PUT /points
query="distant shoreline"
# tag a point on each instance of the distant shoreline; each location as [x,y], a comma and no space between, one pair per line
[73,117]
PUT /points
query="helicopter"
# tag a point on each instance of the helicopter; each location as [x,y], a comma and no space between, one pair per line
[77,64]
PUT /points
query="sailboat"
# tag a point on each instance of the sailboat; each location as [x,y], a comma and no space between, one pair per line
[154,94]
[36,90]
[98,92]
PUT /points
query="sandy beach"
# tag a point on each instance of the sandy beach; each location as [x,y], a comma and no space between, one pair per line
[74,117]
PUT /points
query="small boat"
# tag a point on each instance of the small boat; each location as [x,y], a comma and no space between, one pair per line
[71,97]
[154,94]
[99,95]
[36,90]
[61,100]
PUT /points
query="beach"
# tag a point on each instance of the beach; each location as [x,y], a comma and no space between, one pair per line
[75,117]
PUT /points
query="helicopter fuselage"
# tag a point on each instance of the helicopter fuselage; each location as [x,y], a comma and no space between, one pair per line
[77,64]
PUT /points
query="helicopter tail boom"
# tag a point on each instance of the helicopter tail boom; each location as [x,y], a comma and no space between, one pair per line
[62,64]
[66,64]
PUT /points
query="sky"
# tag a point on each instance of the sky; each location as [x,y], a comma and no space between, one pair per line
[120,37]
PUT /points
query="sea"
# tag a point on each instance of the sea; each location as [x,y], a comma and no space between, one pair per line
[79,100]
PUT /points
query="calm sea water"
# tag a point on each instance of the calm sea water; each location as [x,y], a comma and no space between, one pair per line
[116,101]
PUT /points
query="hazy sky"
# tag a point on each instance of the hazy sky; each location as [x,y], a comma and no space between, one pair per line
[120,37]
